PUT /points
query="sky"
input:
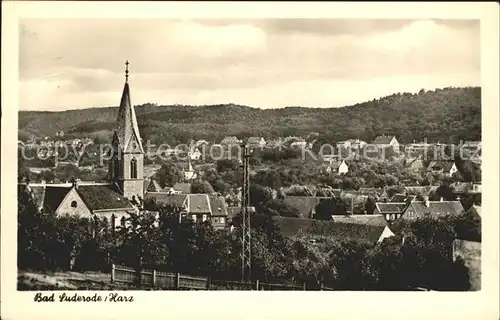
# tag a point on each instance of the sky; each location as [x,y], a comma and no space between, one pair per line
[267,63]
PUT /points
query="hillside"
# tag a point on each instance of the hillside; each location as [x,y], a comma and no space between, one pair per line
[444,115]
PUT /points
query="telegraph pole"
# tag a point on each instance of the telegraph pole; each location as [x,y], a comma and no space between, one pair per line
[246,261]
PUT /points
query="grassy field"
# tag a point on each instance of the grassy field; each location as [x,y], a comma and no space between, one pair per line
[31,280]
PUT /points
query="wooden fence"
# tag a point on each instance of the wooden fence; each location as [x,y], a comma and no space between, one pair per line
[177,281]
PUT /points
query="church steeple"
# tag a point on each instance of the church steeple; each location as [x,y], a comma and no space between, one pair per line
[126,167]
[127,132]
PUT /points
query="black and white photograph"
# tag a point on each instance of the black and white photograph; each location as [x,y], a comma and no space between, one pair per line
[249,154]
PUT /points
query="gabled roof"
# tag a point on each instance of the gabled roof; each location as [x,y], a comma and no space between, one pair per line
[304,204]
[53,197]
[230,139]
[103,197]
[254,140]
[390,207]
[340,231]
[127,128]
[185,188]
[198,203]
[218,206]
[174,200]
[440,165]
[151,185]
[436,208]
[383,140]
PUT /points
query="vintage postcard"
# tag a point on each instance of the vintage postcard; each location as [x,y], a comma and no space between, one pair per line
[328,155]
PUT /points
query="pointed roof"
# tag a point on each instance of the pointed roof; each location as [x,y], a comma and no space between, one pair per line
[127,128]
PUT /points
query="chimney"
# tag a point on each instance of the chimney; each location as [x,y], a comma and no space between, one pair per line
[74,182]
[426,201]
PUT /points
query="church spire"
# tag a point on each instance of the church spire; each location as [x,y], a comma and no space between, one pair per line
[127,131]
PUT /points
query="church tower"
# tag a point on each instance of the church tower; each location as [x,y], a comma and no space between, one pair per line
[126,167]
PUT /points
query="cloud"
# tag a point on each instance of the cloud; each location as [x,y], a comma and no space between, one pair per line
[267,63]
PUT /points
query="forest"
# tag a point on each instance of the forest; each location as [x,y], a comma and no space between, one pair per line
[445,115]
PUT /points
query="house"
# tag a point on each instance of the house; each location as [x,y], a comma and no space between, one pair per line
[256,142]
[386,141]
[219,212]
[197,207]
[419,209]
[417,146]
[232,212]
[85,199]
[187,170]
[391,211]
[344,230]
[446,167]
[338,167]
[232,140]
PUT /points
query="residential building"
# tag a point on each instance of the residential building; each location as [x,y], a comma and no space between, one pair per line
[391,211]
[344,229]
[256,142]
[448,168]
[338,167]
[182,187]
[305,205]
[415,164]
[231,140]
[399,197]
[194,154]
[151,185]
[419,209]
[386,141]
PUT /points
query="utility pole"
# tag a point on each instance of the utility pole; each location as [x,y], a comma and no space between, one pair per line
[246,261]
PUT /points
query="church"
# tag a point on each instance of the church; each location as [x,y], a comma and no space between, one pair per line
[126,187]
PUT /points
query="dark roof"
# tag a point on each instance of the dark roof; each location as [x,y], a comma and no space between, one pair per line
[218,206]
[198,203]
[101,197]
[440,165]
[338,230]
[185,188]
[151,185]
[436,208]
[382,140]
[305,205]
[390,207]
[175,200]
[53,196]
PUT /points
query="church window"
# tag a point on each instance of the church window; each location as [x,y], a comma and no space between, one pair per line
[74,204]
[116,168]
[133,169]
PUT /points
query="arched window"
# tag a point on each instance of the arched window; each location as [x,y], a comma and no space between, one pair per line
[74,204]
[133,169]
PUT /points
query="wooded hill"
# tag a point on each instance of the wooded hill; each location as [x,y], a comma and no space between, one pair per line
[445,115]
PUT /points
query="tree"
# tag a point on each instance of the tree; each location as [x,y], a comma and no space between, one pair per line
[328,207]
[370,205]
[202,186]
[141,241]
[169,174]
